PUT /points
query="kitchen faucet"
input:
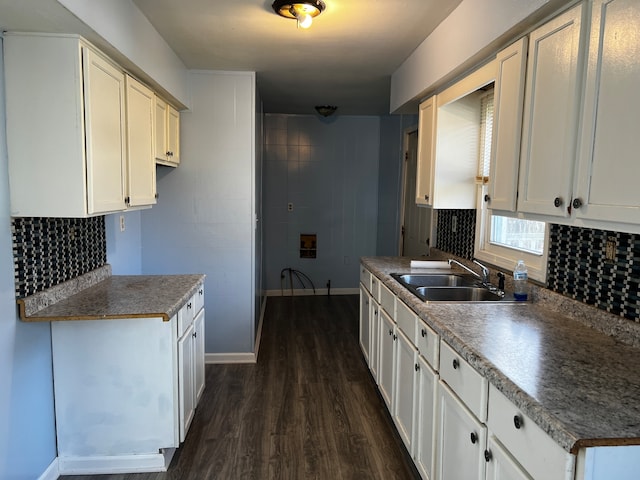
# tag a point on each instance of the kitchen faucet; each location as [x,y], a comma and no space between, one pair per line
[485,271]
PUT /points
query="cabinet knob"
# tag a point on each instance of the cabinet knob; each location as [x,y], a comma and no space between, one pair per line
[487,198]
[390,332]
[395,337]
[517,421]
[423,332]
[487,455]
[456,363]
[426,197]
[557,202]
[474,437]
[189,306]
[201,291]
[577,203]
[195,334]
[417,367]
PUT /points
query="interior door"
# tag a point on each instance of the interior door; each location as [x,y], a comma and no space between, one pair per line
[416,222]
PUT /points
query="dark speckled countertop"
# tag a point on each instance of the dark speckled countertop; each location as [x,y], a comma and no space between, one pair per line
[102,297]
[579,384]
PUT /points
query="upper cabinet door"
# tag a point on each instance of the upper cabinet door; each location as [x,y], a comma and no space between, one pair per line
[173,135]
[141,166]
[507,126]
[104,91]
[550,120]
[426,151]
[608,171]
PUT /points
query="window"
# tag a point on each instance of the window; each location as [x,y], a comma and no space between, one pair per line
[500,239]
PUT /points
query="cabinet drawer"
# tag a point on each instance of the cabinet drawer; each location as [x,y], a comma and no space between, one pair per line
[406,320]
[428,344]
[198,299]
[528,443]
[375,288]
[387,300]
[469,385]
[186,315]
[365,278]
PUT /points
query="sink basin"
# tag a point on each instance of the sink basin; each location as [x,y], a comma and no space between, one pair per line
[433,280]
[449,287]
[457,294]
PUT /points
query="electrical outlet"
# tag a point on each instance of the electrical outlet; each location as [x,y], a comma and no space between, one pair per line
[454,224]
[122,223]
[610,249]
[290,207]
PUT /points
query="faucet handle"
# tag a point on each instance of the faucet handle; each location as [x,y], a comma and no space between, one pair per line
[485,271]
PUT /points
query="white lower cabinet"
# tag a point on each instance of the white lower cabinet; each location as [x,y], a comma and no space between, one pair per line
[500,465]
[405,378]
[425,420]
[186,386]
[538,454]
[461,439]
[125,390]
[387,358]
[364,331]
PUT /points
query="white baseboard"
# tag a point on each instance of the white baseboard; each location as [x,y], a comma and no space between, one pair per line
[52,472]
[230,357]
[306,291]
[158,462]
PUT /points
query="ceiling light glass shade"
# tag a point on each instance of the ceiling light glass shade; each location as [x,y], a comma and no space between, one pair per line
[302,11]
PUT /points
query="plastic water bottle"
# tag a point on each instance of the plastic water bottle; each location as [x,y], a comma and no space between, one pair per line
[520,277]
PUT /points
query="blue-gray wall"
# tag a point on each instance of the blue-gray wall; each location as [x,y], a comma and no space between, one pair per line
[328,169]
[27,428]
[204,219]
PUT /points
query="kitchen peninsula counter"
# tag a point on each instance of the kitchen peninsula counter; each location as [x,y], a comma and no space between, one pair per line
[578,383]
[100,296]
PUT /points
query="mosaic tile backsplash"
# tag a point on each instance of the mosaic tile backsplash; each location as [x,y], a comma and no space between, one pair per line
[462,242]
[579,268]
[49,251]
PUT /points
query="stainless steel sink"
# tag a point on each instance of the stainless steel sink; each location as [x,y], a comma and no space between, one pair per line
[434,280]
[457,294]
[450,287]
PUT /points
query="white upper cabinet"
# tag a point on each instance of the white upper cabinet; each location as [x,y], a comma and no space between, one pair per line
[65,127]
[167,134]
[426,151]
[550,122]
[79,131]
[507,125]
[608,172]
[141,170]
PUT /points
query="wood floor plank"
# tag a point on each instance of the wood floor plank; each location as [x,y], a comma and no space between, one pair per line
[308,409]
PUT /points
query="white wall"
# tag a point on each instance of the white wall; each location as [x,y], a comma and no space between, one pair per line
[128,31]
[473,32]
[204,219]
[27,429]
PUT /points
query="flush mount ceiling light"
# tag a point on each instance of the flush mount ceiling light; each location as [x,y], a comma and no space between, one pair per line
[326,110]
[302,11]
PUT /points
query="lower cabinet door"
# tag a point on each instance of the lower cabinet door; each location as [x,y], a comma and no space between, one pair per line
[425,415]
[406,373]
[462,439]
[198,333]
[374,334]
[500,465]
[364,334]
[186,391]
[387,357]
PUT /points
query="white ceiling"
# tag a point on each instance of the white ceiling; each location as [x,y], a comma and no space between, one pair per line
[345,59]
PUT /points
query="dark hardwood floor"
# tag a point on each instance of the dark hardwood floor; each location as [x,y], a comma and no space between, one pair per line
[307,410]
